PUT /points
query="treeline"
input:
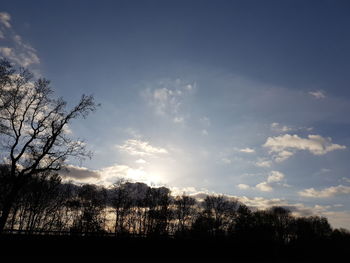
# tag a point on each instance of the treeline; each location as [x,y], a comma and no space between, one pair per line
[46,205]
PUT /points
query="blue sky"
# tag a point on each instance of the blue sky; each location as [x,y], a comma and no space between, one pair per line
[244,98]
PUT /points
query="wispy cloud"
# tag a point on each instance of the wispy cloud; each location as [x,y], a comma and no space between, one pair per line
[204,132]
[140,161]
[282,128]
[345,179]
[167,98]
[277,127]
[326,192]
[243,186]
[5,19]
[141,148]
[179,120]
[16,49]
[318,94]
[247,150]
[274,179]
[275,176]
[263,162]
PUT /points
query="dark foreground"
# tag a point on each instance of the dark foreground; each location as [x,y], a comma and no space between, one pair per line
[163,249]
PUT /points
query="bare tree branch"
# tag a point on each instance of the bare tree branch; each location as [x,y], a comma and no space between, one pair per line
[33,125]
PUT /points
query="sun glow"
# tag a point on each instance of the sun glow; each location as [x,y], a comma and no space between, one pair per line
[150,175]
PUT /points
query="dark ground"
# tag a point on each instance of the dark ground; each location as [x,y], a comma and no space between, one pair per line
[169,250]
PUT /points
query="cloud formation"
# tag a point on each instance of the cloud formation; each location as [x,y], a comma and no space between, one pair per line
[5,19]
[79,173]
[16,50]
[262,162]
[141,148]
[243,186]
[281,128]
[284,146]
[168,98]
[111,174]
[297,209]
[318,94]
[325,193]
[108,175]
[275,176]
[247,150]
[274,179]
[277,127]
[264,187]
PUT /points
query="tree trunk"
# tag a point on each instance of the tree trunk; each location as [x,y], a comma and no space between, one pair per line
[7,207]
[9,201]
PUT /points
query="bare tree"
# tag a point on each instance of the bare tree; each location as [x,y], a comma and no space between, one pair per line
[184,211]
[121,202]
[221,212]
[33,129]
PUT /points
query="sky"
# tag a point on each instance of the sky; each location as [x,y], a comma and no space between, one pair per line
[244,98]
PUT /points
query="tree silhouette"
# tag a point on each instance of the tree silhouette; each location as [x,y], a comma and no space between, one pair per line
[121,201]
[115,217]
[33,129]
[184,213]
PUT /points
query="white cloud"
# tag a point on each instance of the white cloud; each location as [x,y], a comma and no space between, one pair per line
[141,148]
[345,179]
[133,133]
[22,56]
[108,175]
[163,99]
[280,128]
[316,144]
[6,51]
[297,209]
[140,161]
[338,205]
[178,191]
[336,218]
[112,173]
[204,132]
[19,52]
[243,186]
[275,176]
[263,163]
[318,94]
[264,186]
[189,87]
[327,192]
[179,119]
[247,150]
[274,179]
[5,19]
[276,127]
[168,98]
[282,156]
